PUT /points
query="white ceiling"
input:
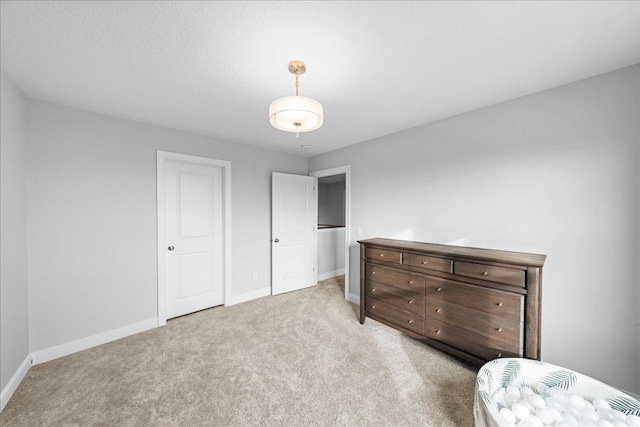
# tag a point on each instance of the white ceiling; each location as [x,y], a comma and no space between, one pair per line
[212,68]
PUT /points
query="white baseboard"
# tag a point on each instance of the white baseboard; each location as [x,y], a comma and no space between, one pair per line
[61,350]
[330,274]
[354,299]
[237,299]
[15,381]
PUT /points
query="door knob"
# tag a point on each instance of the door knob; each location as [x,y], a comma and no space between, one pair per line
[171,248]
[276,240]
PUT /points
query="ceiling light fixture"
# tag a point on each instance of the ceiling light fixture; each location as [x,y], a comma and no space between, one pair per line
[296,113]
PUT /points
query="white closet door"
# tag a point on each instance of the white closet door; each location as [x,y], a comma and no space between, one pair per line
[294,232]
[194,237]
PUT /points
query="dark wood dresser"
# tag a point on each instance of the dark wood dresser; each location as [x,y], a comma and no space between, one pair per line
[477,304]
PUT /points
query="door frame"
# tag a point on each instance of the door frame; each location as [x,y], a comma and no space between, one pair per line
[346,169]
[162,158]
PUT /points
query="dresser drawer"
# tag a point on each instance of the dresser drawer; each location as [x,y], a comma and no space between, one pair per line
[384,255]
[510,276]
[504,304]
[400,279]
[489,325]
[470,342]
[428,262]
[409,301]
[396,315]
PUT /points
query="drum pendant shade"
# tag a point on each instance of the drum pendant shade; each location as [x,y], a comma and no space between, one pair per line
[296,113]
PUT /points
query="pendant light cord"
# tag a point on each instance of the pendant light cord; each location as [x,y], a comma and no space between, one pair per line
[297,127]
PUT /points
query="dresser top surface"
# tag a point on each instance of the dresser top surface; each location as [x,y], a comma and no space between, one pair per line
[520,258]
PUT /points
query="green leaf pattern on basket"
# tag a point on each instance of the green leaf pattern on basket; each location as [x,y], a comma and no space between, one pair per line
[510,373]
[489,376]
[485,398]
[561,379]
[481,382]
[625,405]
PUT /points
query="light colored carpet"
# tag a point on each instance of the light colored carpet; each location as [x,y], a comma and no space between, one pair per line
[296,359]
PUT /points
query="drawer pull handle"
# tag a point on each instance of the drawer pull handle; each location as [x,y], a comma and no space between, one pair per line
[439,289]
[485,273]
[499,304]
[373,289]
[373,306]
[438,310]
[424,262]
[411,321]
[410,301]
[410,282]
[373,272]
[438,332]
[381,255]
[499,329]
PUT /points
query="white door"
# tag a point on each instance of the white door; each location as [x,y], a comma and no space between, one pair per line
[294,233]
[194,237]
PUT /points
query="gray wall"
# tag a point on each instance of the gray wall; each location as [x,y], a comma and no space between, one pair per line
[330,250]
[331,203]
[91,209]
[14,314]
[555,173]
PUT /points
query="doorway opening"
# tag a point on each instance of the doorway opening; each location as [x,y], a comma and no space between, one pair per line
[334,188]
